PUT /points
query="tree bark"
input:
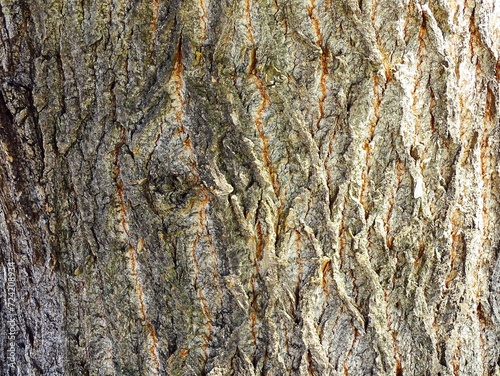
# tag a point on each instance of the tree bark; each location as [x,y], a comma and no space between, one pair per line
[250,187]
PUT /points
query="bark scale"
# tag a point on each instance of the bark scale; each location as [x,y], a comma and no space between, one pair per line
[250,187]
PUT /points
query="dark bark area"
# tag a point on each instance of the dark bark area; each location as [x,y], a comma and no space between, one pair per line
[250,187]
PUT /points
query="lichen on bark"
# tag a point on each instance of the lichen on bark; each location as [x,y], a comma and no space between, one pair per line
[252,187]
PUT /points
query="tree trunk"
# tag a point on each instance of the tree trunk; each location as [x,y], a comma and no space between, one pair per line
[250,187]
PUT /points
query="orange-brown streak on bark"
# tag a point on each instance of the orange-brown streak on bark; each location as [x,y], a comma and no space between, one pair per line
[119,182]
[310,367]
[259,251]
[287,344]
[253,310]
[204,306]
[341,240]
[327,170]
[177,76]
[376,106]
[387,64]
[262,136]
[421,46]
[421,249]
[248,14]
[486,161]
[157,139]
[144,316]
[422,32]
[397,357]
[133,261]
[432,105]
[392,198]
[457,244]
[252,70]
[354,287]
[203,19]
[454,363]
[346,372]
[366,146]
[323,60]
[277,9]
[325,269]
[123,208]
[484,322]
[212,249]
[364,178]
[260,242]
[154,23]
[388,238]
[475,39]
[298,260]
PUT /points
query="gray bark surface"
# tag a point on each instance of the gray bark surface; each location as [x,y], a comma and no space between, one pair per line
[248,187]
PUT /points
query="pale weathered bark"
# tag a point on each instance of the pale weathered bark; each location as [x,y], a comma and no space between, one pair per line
[250,187]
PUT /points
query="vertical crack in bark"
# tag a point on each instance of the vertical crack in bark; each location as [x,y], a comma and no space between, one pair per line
[260,241]
[354,287]
[323,60]
[310,365]
[203,8]
[204,306]
[455,360]
[385,61]
[422,33]
[326,268]
[155,146]
[298,260]
[456,281]
[259,124]
[487,162]
[487,166]
[154,22]
[151,333]
[341,235]
[457,244]
[421,249]
[397,356]
[258,119]
[482,325]
[179,104]
[391,202]
[253,308]
[260,129]
[144,316]
[376,100]
[349,353]
[285,21]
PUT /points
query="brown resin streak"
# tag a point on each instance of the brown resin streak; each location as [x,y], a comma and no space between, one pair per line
[323,60]
[131,252]
[204,306]
[203,8]
[258,120]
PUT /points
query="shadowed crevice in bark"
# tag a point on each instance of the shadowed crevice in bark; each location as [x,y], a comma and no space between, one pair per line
[250,187]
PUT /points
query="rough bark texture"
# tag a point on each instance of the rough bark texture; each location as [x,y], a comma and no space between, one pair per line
[201,187]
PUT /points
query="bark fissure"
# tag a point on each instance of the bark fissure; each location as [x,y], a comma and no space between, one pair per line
[243,188]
